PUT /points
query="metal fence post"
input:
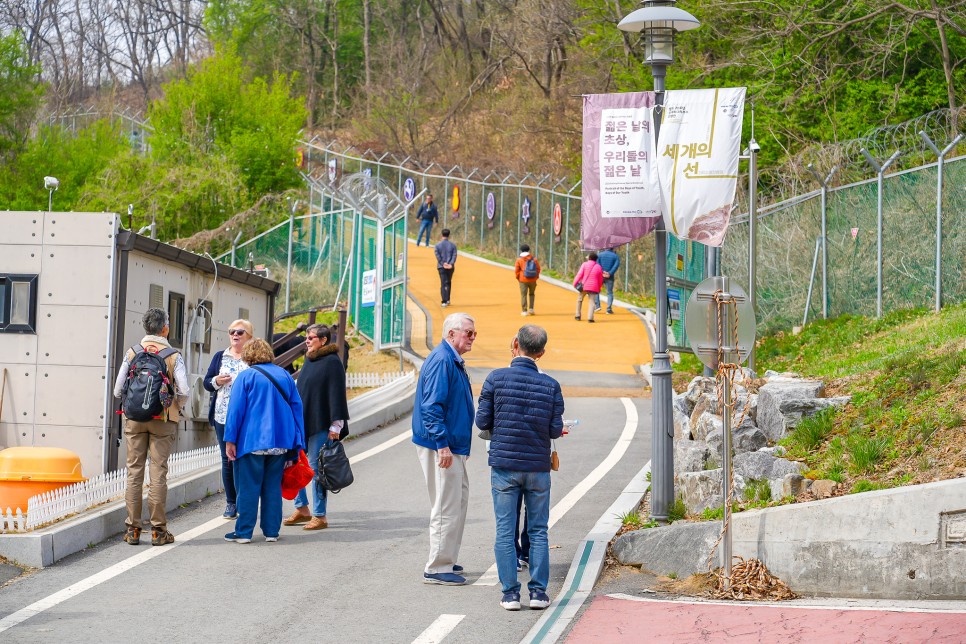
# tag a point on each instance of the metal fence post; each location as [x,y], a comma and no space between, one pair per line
[880,170]
[941,154]
[288,270]
[824,213]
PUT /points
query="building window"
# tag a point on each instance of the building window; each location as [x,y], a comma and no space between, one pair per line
[18,303]
[176,319]
[155,296]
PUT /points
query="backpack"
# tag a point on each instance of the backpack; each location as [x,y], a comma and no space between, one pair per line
[530,268]
[147,390]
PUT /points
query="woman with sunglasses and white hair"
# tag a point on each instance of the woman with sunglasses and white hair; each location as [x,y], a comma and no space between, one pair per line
[225,366]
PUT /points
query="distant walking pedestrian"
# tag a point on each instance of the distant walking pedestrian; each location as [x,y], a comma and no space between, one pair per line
[523,408]
[527,271]
[587,282]
[155,433]
[609,262]
[442,432]
[325,409]
[263,436]
[428,213]
[445,264]
[225,365]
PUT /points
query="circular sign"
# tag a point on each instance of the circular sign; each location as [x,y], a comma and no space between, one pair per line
[409,189]
[703,326]
[299,158]
[526,209]
[490,205]
[456,198]
[557,219]
[333,170]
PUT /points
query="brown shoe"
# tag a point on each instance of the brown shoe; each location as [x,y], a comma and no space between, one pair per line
[297,518]
[132,536]
[161,537]
[317,523]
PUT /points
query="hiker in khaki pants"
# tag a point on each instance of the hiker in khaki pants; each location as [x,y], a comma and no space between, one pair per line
[155,437]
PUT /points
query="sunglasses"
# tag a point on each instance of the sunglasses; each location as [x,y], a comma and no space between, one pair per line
[470,334]
[311,337]
[236,331]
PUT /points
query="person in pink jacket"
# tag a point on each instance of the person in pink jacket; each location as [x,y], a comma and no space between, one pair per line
[590,277]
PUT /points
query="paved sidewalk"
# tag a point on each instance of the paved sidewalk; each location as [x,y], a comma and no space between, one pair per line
[614,344]
[624,618]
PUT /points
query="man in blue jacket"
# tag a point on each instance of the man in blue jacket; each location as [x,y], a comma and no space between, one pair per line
[428,213]
[442,431]
[523,409]
[445,263]
[609,261]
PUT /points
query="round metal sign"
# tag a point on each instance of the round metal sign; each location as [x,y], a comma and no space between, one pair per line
[409,189]
[456,199]
[706,320]
[526,209]
[557,219]
[490,205]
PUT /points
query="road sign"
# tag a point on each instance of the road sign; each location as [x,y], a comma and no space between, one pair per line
[456,200]
[409,189]
[557,219]
[716,307]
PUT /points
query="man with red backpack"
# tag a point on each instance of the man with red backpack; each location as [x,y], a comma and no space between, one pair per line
[152,384]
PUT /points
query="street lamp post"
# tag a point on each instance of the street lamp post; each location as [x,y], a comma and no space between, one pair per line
[658,21]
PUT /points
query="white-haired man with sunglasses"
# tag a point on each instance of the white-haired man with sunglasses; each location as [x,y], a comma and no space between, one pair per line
[442,431]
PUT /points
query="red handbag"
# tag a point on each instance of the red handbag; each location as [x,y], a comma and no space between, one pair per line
[297,476]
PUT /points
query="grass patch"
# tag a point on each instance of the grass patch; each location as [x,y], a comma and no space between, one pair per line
[811,432]
[632,519]
[862,485]
[676,511]
[758,490]
[866,452]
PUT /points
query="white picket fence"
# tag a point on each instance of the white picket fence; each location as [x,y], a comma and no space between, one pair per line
[354,380]
[55,505]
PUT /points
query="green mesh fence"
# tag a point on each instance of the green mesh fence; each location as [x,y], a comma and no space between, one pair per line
[789,231]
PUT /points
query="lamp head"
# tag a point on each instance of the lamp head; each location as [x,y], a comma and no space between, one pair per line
[658,21]
[51,183]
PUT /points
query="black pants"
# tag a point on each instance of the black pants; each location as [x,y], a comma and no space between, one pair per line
[445,284]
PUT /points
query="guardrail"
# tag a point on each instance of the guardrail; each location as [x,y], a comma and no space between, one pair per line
[353,380]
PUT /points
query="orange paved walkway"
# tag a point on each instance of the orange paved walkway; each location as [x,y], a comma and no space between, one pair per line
[613,344]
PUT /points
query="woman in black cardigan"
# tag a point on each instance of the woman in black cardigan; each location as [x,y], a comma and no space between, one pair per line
[321,385]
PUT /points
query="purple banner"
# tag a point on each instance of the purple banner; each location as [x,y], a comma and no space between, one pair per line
[618,176]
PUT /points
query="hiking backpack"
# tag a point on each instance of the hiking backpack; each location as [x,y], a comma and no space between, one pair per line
[147,390]
[530,268]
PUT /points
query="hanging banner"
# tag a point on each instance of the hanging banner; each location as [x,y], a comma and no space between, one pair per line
[697,162]
[621,196]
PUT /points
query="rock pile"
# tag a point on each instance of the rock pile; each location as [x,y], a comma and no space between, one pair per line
[775,405]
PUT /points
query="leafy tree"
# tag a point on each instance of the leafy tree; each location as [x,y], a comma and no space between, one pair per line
[20,94]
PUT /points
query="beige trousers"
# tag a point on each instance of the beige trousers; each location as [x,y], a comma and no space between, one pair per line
[449,493]
[155,438]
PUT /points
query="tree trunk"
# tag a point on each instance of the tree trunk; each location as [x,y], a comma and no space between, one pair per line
[366,20]
[948,71]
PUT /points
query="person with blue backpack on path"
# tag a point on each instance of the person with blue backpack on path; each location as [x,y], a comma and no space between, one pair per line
[152,384]
[527,271]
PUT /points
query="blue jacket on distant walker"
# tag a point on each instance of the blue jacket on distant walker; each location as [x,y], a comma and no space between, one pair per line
[609,261]
[443,413]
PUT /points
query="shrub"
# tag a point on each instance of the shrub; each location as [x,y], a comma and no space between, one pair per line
[813,430]
[677,510]
[866,452]
[758,490]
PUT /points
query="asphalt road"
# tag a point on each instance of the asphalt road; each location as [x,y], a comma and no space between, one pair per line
[358,581]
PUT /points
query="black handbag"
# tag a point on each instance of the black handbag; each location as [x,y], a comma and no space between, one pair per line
[579,286]
[334,472]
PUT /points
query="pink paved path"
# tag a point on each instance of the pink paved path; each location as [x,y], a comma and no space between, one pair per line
[624,620]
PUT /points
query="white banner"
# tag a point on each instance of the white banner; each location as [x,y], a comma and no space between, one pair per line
[369,288]
[625,158]
[697,161]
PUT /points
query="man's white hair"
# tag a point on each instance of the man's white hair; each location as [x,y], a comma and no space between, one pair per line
[454,322]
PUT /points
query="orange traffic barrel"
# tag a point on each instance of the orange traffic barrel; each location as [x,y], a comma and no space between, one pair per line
[29,471]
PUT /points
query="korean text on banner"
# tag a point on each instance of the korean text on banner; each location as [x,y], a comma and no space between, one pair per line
[368,288]
[621,196]
[697,161]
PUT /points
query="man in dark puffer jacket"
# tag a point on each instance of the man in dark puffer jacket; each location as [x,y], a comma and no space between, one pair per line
[523,408]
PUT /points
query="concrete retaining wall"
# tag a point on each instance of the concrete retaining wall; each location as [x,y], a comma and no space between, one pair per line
[904,543]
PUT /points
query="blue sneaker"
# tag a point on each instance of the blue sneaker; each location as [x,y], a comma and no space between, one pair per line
[538,600]
[510,601]
[444,579]
[231,511]
[237,538]
[458,569]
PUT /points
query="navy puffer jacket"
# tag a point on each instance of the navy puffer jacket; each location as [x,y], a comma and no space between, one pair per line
[524,410]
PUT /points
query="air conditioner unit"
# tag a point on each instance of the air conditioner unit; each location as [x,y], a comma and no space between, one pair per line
[198,400]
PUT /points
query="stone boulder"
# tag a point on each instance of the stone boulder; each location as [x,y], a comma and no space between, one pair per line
[763,466]
[681,416]
[782,403]
[700,490]
[823,488]
[681,548]
[690,456]
[746,438]
[698,387]
[705,424]
[789,485]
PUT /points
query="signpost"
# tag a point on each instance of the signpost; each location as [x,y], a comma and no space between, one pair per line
[720,323]
[409,189]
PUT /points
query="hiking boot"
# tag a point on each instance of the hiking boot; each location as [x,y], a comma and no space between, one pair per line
[316,523]
[132,536]
[297,518]
[510,601]
[539,600]
[161,537]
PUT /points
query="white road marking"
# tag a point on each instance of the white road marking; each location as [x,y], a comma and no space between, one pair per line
[786,605]
[490,577]
[439,629]
[123,566]
[108,573]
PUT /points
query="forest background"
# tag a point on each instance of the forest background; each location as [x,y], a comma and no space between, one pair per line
[228,86]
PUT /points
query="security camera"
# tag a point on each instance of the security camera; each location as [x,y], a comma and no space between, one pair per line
[51,183]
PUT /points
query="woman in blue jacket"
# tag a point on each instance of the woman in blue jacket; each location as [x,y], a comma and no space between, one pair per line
[263,436]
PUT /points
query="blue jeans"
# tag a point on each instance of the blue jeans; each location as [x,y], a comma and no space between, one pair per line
[609,283]
[319,493]
[259,478]
[522,542]
[425,225]
[507,486]
[227,467]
